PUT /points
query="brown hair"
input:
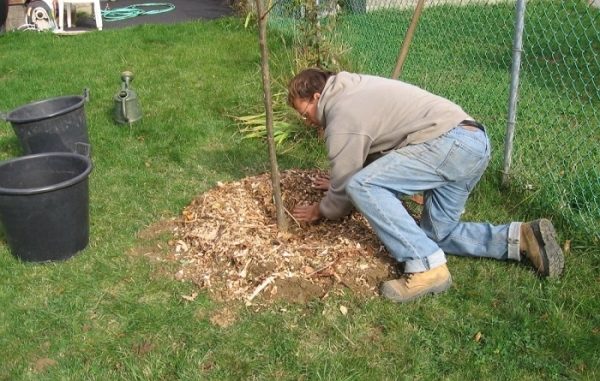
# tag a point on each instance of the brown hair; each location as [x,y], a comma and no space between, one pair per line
[306,83]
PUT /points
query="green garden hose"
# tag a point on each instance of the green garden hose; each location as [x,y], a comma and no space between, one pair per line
[136,10]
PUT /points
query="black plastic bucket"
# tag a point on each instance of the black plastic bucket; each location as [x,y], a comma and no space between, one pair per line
[51,125]
[3,14]
[44,205]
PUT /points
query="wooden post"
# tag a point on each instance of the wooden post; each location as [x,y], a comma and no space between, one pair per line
[410,32]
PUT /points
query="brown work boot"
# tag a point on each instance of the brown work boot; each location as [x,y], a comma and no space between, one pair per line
[411,286]
[538,244]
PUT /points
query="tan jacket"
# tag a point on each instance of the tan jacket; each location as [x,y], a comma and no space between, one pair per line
[365,115]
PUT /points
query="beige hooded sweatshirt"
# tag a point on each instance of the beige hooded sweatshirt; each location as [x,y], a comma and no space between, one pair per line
[365,115]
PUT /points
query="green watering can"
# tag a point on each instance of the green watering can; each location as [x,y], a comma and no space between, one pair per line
[127,105]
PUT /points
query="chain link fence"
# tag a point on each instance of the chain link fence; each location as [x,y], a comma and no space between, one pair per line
[463,50]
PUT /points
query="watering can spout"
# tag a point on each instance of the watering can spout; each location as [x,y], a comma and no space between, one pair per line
[127,107]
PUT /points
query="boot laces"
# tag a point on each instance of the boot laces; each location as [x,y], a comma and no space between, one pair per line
[407,277]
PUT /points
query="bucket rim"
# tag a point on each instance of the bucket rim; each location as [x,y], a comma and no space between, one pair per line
[10,116]
[49,188]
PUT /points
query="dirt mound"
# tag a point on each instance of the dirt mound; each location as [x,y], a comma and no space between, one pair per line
[227,243]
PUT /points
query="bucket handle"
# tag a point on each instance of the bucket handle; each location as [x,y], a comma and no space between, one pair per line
[83,149]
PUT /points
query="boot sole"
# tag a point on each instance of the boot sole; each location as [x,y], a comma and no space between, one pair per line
[552,255]
[394,297]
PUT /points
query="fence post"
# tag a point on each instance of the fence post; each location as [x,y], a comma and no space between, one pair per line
[514,88]
[407,39]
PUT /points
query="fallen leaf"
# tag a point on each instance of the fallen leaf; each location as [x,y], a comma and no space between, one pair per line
[567,247]
[478,337]
[308,270]
[344,310]
[181,246]
[190,298]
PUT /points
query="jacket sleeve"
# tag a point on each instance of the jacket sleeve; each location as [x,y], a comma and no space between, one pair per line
[347,153]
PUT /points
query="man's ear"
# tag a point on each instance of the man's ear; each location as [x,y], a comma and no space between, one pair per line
[317,96]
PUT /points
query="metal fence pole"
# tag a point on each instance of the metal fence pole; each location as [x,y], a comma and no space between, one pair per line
[514,88]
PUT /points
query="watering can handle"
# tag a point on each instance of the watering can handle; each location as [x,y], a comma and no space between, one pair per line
[124,110]
[83,149]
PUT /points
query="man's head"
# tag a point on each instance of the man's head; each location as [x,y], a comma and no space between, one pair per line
[304,92]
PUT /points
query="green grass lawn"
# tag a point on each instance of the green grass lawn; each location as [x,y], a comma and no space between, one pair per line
[107,314]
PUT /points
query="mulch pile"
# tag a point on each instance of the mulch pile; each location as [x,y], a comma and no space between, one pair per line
[228,244]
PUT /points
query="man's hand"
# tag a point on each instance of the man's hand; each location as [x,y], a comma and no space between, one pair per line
[321,183]
[307,213]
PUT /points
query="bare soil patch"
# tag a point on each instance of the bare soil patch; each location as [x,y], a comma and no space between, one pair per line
[227,243]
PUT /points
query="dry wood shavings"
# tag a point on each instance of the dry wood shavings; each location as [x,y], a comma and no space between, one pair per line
[227,243]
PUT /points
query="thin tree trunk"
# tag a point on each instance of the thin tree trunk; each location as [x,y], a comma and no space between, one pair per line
[282,223]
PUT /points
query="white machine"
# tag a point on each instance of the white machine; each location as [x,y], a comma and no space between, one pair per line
[40,15]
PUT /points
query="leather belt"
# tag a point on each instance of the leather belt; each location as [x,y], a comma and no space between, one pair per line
[472,123]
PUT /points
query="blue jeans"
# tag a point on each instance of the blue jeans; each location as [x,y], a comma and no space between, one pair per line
[445,169]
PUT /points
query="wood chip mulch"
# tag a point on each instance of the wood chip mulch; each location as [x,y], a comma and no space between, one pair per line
[227,242]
